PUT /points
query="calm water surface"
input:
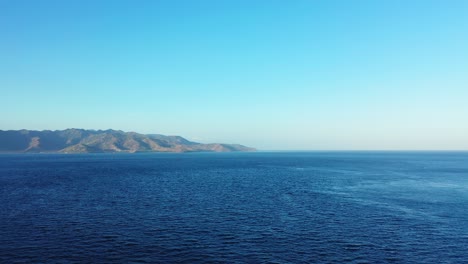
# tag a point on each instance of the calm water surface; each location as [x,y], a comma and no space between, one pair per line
[336,207]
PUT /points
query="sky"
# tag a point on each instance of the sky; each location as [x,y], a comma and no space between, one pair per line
[275,75]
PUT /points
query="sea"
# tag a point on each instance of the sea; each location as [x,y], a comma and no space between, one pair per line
[260,207]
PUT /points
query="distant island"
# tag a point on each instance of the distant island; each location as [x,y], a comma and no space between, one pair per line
[102,141]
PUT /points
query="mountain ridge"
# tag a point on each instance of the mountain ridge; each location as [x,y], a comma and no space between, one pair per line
[76,140]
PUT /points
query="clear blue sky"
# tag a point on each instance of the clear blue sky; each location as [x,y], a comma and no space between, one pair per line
[269,74]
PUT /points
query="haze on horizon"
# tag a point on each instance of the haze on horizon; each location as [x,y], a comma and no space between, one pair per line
[289,75]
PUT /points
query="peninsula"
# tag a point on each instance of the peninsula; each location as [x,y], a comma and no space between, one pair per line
[102,141]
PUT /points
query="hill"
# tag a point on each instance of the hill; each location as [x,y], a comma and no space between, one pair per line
[95,141]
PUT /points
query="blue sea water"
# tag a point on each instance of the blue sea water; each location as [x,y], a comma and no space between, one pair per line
[283,207]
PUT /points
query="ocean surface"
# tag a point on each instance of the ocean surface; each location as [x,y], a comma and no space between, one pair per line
[265,207]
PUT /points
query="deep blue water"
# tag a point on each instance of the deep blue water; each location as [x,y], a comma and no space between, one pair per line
[236,207]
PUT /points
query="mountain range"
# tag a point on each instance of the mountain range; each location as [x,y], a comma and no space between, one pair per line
[96,141]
